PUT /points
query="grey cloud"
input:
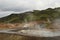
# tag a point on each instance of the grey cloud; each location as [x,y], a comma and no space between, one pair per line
[16,5]
[23,5]
[2,13]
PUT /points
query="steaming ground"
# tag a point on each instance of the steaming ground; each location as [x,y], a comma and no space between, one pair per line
[36,30]
[41,31]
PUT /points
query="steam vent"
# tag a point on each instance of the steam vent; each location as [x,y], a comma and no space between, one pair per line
[31,25]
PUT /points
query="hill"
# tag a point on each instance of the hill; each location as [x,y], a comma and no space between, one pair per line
[46,15]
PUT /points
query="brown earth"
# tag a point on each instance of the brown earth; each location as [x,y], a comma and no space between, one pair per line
[15,25]
[17,37]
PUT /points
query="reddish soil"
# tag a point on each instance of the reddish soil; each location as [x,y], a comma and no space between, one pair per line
[14,25]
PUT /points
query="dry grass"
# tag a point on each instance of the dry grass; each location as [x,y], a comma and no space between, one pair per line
[17,37]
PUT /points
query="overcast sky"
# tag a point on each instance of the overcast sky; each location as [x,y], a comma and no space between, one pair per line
[9,6]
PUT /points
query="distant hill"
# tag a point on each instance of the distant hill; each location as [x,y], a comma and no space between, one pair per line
[47,15]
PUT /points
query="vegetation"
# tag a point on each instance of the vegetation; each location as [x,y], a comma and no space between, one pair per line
[46,15]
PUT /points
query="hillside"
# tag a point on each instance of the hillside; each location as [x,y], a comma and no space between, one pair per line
[35,19]
[46,15]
